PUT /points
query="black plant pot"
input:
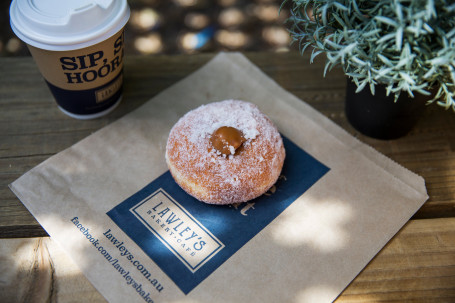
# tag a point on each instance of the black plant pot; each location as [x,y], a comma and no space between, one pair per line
[378,116]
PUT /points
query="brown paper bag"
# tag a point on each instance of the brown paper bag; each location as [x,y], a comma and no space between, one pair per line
[339,203]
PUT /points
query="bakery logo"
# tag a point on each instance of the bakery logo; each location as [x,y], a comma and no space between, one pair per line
[177,229]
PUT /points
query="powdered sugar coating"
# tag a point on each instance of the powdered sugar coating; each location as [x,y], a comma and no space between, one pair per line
[219,179]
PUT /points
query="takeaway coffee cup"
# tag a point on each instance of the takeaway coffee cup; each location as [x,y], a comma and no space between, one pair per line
[78,46]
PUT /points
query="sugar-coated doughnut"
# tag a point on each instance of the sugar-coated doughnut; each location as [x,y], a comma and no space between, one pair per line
[225,152]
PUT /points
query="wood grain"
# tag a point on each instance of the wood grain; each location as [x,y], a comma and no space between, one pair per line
[417,265]
[33,129]
[37,270]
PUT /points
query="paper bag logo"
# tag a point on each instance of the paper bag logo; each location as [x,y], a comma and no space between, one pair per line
[181,233]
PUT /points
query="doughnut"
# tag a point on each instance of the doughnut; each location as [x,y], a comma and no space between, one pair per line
[225,152]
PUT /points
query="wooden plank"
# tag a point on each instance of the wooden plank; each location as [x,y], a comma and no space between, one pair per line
[418,265]
[33,129]
[37,270]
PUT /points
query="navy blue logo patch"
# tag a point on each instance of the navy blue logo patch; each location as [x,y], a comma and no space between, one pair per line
[189,239]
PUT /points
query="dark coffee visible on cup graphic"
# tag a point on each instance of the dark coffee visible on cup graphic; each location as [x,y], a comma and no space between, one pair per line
[79,48]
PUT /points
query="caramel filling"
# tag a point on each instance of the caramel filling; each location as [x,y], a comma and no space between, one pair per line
[227,140]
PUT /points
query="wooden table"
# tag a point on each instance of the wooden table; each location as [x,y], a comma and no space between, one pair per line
[418,265]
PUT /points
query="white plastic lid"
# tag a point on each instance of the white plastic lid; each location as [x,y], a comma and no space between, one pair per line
[66,25]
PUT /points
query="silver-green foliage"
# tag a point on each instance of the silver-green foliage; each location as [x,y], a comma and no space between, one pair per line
[408,45]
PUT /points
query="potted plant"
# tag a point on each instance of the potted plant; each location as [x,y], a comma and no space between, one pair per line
[391,49]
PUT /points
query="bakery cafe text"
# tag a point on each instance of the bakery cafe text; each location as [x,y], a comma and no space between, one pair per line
[175,226]
[177,229]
